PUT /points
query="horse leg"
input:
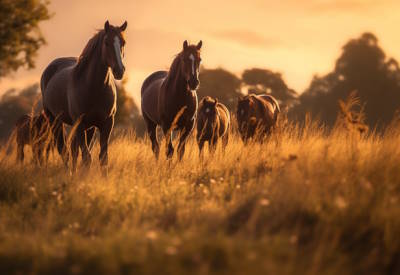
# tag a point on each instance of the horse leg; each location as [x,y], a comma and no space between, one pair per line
[74,153]
[168,136]
[89,137]
[48,148]
[105,132]
[58,134]
[152,130]
[183,138]
[212,144]
[201,145]
[82,138]
[39,152]
[20,153]
[225,139]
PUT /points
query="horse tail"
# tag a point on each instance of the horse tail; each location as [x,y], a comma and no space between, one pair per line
[275,103]
[227,115]
[151,78]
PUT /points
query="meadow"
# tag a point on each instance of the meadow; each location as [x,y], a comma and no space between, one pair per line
[306,201]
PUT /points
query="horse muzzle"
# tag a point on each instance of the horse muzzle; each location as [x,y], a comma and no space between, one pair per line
[118,73]
[193,84]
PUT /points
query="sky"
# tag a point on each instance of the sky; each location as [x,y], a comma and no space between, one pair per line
[296,38]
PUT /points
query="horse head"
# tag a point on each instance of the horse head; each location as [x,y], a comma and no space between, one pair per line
[244,109]
[112,49]
[190,64]
[209,107]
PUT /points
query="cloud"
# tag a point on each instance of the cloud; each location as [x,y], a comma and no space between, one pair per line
[246,38]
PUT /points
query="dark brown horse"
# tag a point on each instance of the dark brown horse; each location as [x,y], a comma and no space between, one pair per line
[257,115]
[36,132]
[169,99]
[82,92]
[213,122]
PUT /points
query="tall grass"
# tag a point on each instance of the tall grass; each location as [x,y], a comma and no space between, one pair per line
[306,201]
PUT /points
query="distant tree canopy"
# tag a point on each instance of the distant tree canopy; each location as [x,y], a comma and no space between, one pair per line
[221,84]
[20,36]
[128,114]
[362,67]
[14,104]
[266,81]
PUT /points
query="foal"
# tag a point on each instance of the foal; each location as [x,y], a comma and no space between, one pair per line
[257,115]
[213,123]
[33,131]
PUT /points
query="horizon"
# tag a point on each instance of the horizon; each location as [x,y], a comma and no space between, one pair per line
[305,40]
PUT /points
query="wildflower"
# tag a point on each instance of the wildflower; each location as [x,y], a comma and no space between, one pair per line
[151,235]
[264,202]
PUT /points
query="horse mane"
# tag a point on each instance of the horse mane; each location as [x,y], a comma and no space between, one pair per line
[91,47]
[173,72]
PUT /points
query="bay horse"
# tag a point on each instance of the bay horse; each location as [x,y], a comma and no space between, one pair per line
[36,132]
[169,99]
[213,123]
[81,92]
[256,115]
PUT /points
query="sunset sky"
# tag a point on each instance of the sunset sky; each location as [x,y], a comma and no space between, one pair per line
[297,38]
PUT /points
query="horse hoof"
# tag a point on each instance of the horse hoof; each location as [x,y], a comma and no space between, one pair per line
[170,154]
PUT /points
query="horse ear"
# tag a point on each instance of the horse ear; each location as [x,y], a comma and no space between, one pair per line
[215,101]
[107,26]
[123,26]
[185,45]
[199,45]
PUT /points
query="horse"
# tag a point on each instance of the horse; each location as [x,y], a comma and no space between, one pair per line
[256,115]
[169,99]
[81,92]
[213,123]
[36,132]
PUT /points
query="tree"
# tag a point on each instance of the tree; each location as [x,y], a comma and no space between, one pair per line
[267,81]
[128,114]
[20,36]
[362,67]
[14,104]
[221,84]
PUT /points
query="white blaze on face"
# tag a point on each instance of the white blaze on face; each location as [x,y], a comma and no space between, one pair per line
[191,57]
[207,110]
[117,48]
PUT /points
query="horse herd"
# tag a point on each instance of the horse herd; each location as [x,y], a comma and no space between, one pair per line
[81,92]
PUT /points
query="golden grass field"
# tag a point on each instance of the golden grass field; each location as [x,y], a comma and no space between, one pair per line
[307,201]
